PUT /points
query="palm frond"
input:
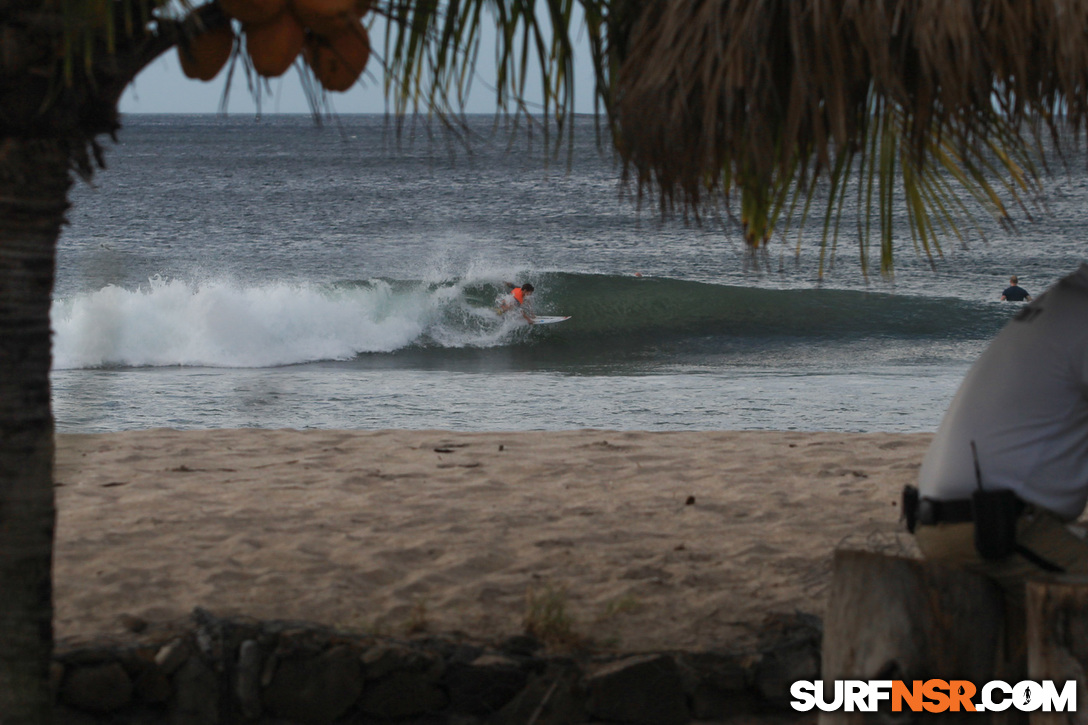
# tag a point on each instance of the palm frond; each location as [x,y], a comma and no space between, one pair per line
[433,47]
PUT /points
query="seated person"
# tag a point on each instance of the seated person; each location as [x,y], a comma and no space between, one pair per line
[1024,407]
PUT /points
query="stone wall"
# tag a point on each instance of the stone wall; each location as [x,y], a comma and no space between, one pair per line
[224,671]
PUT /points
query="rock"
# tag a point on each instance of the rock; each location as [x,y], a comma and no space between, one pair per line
[63,715]
[196,694]
[781,626]
[209,644]
[717,684]
[553,698]
[381,660]
[85,656]
[172,656]
[494,660]
[209,636]
[149,683]
[790,647]
[463,652]
[645,689]
[247,682]
[402,694]
[484,685]
[402,682]
[521,645]
[783,666]
[56,677]
[97,688]
[721,671]
[315,690]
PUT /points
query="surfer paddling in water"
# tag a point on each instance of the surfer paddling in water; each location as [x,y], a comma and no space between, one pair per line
[517,298]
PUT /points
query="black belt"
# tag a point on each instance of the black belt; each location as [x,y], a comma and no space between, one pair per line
[931,512]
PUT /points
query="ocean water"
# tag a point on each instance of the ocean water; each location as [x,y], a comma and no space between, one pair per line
[234,271]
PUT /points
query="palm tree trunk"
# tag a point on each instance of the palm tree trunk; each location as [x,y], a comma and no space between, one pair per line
[46,131]
[34,183]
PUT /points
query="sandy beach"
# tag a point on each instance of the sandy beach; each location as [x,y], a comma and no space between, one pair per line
[654,541]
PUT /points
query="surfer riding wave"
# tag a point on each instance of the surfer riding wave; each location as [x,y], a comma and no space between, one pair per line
[518,298]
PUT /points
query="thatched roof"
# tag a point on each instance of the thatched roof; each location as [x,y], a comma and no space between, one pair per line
[714,96]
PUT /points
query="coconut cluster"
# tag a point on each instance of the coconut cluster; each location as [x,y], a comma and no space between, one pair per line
[329,34]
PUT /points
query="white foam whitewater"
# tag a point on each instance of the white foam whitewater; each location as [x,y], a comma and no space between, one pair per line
[221,324]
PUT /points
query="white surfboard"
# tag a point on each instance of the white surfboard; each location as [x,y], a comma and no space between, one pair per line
[549,320]
[517,316]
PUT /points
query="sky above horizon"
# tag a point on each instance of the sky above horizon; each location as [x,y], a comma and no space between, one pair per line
[163,88]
